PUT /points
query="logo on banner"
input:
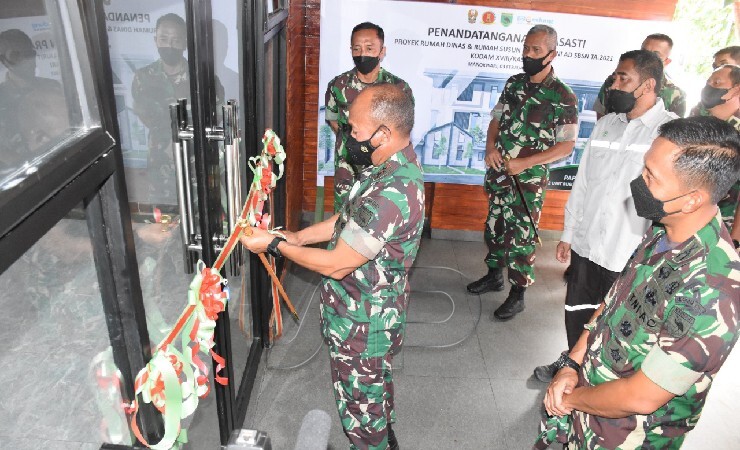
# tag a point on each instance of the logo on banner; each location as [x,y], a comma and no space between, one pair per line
[488,18]
[534,20]
[506,19]
[472,15]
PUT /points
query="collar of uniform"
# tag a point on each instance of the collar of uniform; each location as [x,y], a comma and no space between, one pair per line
[404,156]
[697,245]
[380,75]
[652,117]
[550,78]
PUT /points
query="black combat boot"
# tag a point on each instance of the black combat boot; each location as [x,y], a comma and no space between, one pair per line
[513,305]
[392,442]
[492,281]
[545,373]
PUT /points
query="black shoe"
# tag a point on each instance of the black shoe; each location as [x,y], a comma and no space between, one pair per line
[545,373]
[492,281]
[513,305]
[392,442]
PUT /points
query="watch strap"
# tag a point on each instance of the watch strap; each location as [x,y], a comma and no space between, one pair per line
[272,247]
[566,361]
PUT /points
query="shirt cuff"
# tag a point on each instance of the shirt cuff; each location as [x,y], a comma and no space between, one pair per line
[360,240]
[668,373]
[330,115]
[567,235]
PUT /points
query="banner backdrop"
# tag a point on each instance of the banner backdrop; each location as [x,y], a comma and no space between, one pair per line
[457,58]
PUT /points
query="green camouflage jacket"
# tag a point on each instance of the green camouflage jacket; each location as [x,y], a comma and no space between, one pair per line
[382,220]
[674,98]
[673,315]
[534,117]
[340,93]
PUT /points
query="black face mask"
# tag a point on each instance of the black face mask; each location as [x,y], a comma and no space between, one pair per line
[359,153]
[712,96]
[533,66]
[646,205]
[620,101]
[366,64]
[170,55]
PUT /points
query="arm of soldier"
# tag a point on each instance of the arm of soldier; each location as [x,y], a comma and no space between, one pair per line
[336,263]
[636,394]
[319,232]
[493,155]
[566,132]
[558,151]
[331,113]
[565,381]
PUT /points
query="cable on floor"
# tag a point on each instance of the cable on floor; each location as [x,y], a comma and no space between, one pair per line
[441,346]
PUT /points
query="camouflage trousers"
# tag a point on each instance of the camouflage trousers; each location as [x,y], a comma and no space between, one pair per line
[509,234]
[363,391]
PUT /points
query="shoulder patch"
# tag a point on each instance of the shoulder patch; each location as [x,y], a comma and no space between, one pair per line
[679,322]
[364,214]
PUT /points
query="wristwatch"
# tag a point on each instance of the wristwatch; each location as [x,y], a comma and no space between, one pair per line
[566,361]
[272,248]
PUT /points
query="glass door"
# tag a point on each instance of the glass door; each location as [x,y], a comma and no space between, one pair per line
[180,107]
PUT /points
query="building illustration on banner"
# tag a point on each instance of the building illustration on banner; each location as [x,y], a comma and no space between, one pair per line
[451,146]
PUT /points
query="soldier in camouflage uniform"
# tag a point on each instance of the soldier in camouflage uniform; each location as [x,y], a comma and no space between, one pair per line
[367,52]
[648,358]
[534,122]
[373,242]
[673,97]
[721,98]
[154,88]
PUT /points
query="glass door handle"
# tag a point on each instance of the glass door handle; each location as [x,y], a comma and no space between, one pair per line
[180,147]
[232,177]
[182,135]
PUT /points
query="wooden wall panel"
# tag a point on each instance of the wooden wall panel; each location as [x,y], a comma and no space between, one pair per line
[452,207]
[295,113]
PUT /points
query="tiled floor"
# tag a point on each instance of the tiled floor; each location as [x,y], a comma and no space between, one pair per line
[476,395]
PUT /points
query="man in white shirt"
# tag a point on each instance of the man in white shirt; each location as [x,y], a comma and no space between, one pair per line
[602,228]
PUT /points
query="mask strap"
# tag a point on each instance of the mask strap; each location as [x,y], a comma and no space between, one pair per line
[682,195]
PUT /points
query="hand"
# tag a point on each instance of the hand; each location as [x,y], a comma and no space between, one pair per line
[562,384]
[515,166]
[562,252]
[258,241]
[494,159]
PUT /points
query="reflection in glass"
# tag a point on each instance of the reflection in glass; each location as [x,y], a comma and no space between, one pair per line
[58,382]
[33,109]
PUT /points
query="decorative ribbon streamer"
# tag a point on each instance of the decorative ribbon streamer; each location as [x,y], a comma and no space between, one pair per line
[174,380]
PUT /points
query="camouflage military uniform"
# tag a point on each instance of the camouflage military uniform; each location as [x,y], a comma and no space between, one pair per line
[532,119]
[153,92]
[674,98]
[728,205]
[340,93]
[673,313]
[363,315]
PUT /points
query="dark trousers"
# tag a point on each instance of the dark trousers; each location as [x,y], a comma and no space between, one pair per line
[588,284]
